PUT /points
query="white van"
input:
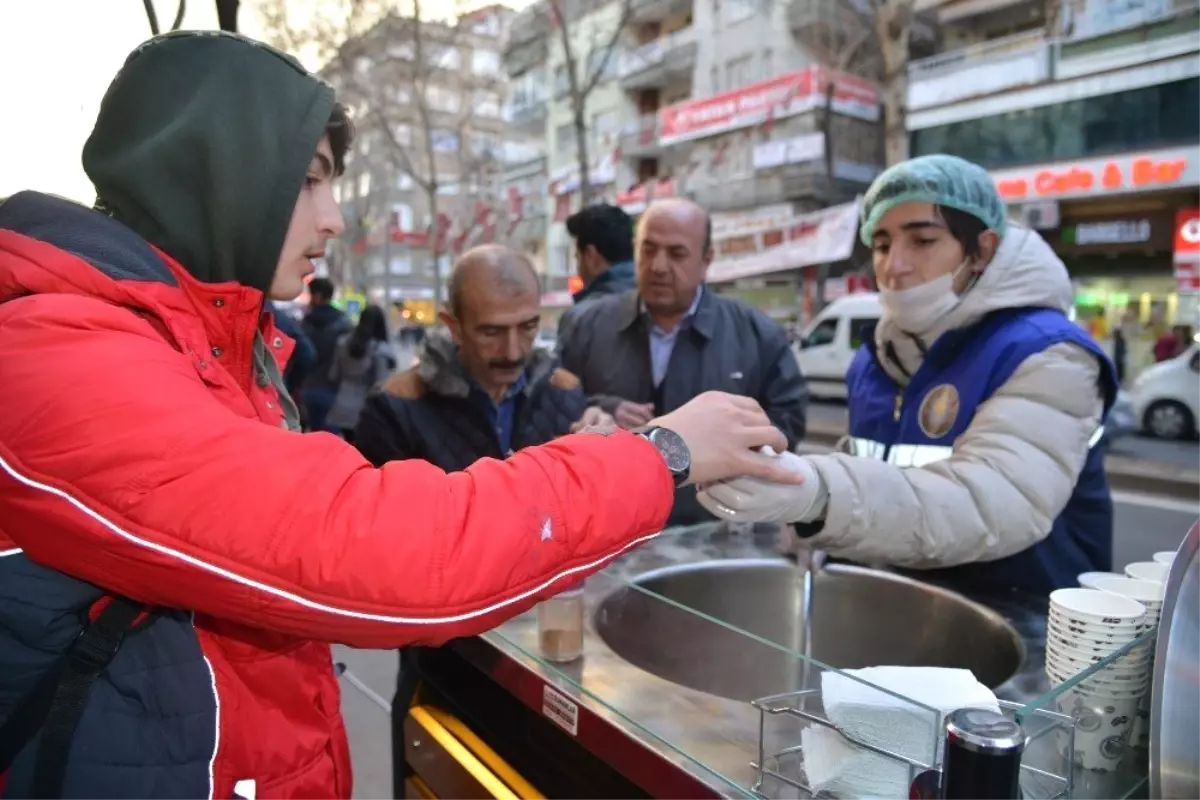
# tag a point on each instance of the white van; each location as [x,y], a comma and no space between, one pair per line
[830,341]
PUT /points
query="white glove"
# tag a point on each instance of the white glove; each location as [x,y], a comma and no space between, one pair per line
[754,500]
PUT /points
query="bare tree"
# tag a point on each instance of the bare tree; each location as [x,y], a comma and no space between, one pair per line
[402,72]
[872,39]
[152,16]
[581,82]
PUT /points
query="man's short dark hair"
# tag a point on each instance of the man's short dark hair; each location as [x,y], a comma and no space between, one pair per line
[606,228]
[340,130]
[321,287]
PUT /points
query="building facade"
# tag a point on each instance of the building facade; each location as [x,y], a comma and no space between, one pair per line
[1090,123]
[425,178]
[722,101]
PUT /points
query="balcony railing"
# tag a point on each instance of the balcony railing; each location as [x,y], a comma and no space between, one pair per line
[639,137]
[526,109]
[676,50]
[787,184]
[997,49]
[1028,59]
[652,10]
[976,54]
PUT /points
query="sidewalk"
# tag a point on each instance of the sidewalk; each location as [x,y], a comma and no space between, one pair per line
[1124,473]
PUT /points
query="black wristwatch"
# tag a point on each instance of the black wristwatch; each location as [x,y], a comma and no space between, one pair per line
[673,450]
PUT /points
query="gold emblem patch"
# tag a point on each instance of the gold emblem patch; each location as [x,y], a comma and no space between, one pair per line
[938,411]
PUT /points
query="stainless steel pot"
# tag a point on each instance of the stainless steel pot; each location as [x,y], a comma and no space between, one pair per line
[860,618]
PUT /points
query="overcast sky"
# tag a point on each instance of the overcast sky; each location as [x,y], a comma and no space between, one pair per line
[58,57]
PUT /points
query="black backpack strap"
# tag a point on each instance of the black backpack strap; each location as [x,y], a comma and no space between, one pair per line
[56,702]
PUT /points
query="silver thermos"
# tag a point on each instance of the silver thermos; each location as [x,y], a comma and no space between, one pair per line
[982,757]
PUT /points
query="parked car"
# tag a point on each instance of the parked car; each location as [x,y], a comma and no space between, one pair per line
[1166,396]
[546,340]
[827,347]
[1122,420]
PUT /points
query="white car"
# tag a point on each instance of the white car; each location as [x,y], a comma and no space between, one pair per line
[546,340]
[828,345]
[1166,396]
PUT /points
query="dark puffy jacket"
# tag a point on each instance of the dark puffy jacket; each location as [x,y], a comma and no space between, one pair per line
[427,412]
[617,279]
[324,325]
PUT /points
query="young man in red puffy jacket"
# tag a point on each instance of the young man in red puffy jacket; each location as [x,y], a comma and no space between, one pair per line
[174,556]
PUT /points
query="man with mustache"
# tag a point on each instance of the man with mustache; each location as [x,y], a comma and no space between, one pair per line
[483,390]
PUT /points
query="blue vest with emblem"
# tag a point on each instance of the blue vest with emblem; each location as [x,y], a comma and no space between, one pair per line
[918,424]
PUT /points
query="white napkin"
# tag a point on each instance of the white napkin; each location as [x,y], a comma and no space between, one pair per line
[836,767]
[868,715]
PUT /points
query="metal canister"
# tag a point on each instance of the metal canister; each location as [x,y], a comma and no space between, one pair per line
[982,757]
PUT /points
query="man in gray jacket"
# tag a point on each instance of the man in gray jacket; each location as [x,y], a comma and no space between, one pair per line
[646,351]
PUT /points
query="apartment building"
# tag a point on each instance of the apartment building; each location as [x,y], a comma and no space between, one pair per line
[1090,122]
[452,138]
[723,101]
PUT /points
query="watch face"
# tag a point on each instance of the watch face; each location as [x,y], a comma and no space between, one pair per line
[674,451]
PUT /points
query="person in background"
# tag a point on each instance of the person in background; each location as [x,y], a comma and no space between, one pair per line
[1173,343]
[975,454]
[362,360]
[1120,354]
[652,348]
[174,559]
[603,237]
[304,356]
[325,326]
[483,390]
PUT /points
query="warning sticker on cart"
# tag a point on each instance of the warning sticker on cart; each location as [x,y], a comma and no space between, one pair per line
[560,710]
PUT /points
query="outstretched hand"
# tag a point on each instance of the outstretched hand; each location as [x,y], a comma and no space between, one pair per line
[723,433]
[751,499]
[593,417]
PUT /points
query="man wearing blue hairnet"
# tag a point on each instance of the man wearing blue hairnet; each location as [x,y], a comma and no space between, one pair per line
[974,453]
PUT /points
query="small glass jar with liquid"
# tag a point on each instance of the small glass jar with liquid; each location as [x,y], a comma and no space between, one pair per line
[560,625]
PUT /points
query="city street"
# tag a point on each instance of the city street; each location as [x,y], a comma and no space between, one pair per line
[1143,526]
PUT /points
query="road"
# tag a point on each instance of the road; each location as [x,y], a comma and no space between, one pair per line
[1144,525]
[1183,453]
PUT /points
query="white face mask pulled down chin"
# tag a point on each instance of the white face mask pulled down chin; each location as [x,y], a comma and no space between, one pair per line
[919,309]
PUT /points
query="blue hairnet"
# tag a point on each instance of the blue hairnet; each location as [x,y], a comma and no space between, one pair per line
[942,180]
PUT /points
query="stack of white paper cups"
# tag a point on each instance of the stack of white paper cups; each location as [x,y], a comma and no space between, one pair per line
[1086,626]
[1148,571]
[1150,594]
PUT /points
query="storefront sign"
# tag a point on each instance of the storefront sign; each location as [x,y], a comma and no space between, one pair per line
[1119,232]
[797,150]
[1187,250]
[736,223]
[1150,231]
[803,240]
[784,96]
[1142,172]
